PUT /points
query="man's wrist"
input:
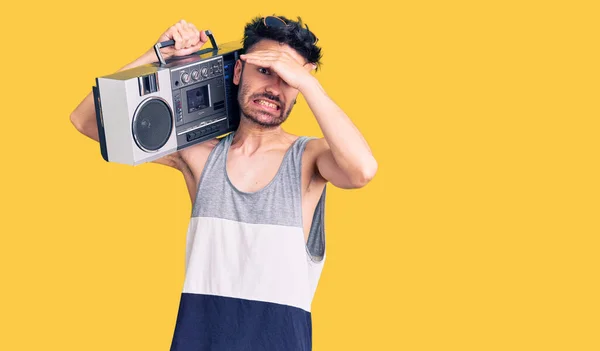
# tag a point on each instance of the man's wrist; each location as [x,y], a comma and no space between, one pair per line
[310,86]
[147,58]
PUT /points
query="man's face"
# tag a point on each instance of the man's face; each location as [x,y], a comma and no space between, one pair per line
[263,97]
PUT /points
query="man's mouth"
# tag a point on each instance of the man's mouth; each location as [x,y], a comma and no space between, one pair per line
[269,105]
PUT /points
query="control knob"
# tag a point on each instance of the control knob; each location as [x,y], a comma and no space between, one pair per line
[185,77]
[204,72]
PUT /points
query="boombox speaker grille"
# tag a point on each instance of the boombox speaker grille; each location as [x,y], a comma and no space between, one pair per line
[152,124]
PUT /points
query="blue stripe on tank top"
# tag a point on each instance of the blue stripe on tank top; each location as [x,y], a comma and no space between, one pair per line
[217,323]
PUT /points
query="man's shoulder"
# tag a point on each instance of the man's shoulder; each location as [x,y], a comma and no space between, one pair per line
[315,145]
[202,147]
[195,156]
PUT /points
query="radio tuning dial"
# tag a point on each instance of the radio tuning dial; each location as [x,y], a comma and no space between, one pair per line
[185,77]
[195,74]
[205,72]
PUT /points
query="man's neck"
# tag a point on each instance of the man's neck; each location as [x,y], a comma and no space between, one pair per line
[250,136]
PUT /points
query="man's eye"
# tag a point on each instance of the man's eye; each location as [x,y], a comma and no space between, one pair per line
[263,70]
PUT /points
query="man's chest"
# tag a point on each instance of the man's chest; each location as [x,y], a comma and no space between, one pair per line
[251,174]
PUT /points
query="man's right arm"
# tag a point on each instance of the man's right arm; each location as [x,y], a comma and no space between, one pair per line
[187,39]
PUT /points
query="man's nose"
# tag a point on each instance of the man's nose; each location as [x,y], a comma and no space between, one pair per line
[276,85]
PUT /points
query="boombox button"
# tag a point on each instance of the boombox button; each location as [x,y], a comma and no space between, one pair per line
[185,77]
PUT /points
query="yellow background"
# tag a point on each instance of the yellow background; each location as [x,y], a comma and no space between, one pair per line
[479,232]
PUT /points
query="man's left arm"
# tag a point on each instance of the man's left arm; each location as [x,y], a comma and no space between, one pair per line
[343,157]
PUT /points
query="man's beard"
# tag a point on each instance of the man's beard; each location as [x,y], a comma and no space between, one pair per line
[256,114]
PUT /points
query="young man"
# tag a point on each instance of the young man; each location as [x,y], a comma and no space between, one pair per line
[256,240]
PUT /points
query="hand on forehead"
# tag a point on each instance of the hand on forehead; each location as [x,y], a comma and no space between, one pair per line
[272,55]
[269,47]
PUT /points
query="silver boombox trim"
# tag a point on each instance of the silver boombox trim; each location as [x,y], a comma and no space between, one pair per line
[150,111]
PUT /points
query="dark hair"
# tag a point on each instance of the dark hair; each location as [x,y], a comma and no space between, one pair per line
[293,34]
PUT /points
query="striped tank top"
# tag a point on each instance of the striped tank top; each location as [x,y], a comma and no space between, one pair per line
[250,277]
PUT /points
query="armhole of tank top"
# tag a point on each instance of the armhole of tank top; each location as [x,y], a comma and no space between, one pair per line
[315,244]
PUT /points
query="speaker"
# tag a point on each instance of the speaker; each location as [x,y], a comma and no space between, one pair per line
[138,125]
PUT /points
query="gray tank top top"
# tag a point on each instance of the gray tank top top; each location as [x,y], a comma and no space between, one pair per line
[278,203]
[251,245]
[250,276]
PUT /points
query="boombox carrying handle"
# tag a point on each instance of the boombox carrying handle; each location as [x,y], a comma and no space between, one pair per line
[172,42]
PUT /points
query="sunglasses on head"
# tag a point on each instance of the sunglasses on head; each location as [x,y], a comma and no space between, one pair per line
[274,21]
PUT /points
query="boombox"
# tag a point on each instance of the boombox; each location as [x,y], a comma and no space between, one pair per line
[153,110]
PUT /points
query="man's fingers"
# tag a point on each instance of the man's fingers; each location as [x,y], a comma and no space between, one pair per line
[196,32]
[259,56]
[185,35]
[195,36]
[179,27]
[177,38]
[253,58]
[188,35]
[264,54]
[196,47]
[191,33]
[255,61]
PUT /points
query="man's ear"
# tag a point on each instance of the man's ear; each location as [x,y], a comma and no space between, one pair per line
[237,71]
